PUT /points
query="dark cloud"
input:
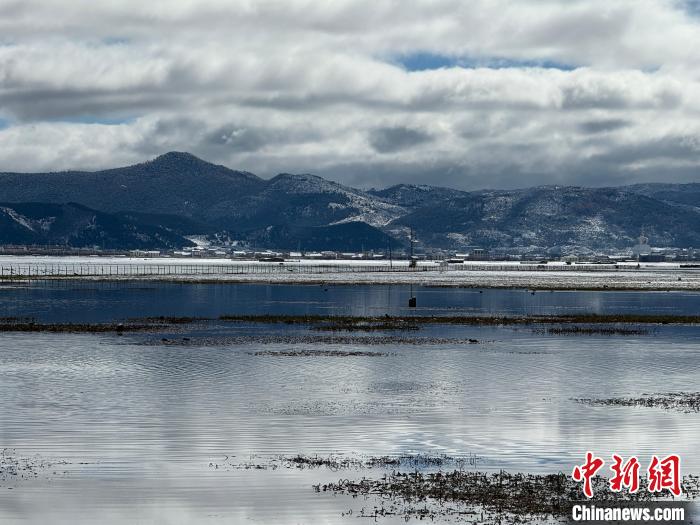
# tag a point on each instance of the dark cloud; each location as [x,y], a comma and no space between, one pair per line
[603,125]
[73,104]
[390,140]
[691,6]
[593,173]
[237,139]
[611,97]
[671,148]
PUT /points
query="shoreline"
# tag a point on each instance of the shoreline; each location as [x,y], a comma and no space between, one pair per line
[346,322]
[546,281]
[623,276]
[571,324]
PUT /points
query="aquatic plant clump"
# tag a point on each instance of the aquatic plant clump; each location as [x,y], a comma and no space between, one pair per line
[551,324]
[88,328]
[318,353]
[304,339]
[491,497]
[15,468]
[678,401]
[592,330]
[336,462]
[323,322]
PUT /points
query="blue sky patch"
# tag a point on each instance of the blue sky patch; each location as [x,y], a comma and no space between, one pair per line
[78,119]
[427,61]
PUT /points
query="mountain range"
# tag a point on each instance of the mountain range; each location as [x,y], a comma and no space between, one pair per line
[157,204]
[76,225]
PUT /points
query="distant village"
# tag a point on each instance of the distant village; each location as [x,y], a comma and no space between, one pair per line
[238,250]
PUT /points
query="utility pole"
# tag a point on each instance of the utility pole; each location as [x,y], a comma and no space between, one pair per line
[412,264]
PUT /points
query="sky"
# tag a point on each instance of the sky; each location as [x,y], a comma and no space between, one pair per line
[467,94]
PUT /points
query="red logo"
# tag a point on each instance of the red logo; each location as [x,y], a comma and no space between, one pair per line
[663,474]
[626,475]
[586,471]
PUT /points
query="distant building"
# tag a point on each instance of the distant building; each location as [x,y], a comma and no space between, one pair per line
[652,257]
[479,254]
[642,249]
[144,253]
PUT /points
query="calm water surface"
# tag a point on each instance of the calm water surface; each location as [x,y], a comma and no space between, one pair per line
[61,301]
[137,423]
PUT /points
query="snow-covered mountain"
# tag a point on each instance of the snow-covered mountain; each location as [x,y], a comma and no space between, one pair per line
[78,226]
[548,217]
[411,196]
[186,195]
[311,200]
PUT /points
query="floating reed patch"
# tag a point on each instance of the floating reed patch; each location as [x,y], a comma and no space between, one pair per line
[90,328]
[15,468]
[416,486]
[678,401]
[363,325]
[318,353]
[168,320]
[592,330]
[291,339]
[485,498]
[340,321]
[384,323]
[336,462]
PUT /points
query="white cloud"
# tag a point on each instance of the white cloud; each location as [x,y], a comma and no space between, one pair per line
[273,86]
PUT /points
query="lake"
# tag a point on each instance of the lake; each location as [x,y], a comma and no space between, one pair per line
[156,427]
[94,301]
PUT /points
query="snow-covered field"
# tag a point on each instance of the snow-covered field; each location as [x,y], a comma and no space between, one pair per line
[492,279]
[17,260]
[649,276]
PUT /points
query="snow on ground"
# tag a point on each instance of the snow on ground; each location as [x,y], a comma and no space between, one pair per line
[14,260]
[651,276]
[473,279]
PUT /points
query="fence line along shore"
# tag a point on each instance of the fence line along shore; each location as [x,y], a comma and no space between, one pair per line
[469,274]
[155,267]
